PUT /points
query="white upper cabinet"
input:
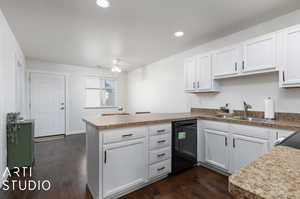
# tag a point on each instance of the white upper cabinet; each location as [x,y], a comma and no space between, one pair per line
[289,59]
[226,62]
[204,73]
[259,54]
[198,74]
[189,74]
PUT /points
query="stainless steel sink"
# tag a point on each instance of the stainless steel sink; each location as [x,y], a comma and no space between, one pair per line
[250,119]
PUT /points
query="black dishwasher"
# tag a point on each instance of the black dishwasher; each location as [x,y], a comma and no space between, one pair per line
[184,145]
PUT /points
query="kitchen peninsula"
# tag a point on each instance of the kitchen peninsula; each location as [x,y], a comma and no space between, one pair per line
[128,152]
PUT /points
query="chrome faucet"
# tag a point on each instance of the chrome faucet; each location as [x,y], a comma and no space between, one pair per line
[246,107]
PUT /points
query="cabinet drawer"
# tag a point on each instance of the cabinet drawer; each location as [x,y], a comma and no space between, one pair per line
[123,134]
[160,141]
[159,155]
[283,133]
[217,126]
[251,131]
[160,169]
[160,129]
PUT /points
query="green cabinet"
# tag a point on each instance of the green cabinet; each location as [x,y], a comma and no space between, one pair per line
[20,150]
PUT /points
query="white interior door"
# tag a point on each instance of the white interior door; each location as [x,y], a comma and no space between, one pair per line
[47,98]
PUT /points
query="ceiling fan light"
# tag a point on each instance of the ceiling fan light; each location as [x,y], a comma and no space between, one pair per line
[116,69]
[103,3]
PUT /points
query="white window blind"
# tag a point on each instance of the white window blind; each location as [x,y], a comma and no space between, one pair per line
[100,92]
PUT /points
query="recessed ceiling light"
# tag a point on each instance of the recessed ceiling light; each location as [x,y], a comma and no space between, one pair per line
[179,34]
[103,3]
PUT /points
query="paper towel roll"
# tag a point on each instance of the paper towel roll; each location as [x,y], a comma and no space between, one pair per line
[269,108]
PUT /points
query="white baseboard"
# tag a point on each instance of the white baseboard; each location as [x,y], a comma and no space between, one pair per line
[76,132]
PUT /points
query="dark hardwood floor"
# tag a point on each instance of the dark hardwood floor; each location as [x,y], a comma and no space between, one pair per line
[63,162]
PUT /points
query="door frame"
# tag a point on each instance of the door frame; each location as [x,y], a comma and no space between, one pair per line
[66,77]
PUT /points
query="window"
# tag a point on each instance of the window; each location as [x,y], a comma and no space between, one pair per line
[100,92]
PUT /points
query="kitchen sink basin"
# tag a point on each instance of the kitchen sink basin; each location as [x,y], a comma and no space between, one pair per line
[250,119]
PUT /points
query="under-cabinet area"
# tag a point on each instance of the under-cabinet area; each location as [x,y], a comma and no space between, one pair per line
[121,160]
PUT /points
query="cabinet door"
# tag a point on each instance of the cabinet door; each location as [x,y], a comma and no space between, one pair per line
[203,72]
[124,167]
[226,61]
[260,54]
[245,150]
[189,74]
[290,74]
[216,148]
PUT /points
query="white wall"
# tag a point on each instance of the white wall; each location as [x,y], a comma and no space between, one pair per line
[158,87]
[12,85]
[76,89]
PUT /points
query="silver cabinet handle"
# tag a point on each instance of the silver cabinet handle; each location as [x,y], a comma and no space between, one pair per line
[62,108]
[160,169]
[193,84]
[283,76]
[105,157]
[235,66]
[226,142]
[198,84]
[127,135]
[161,131]
[161,155]
[243,65]
[233,143]
[161,141]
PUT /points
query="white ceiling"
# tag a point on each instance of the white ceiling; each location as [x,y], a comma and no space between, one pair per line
[138,31]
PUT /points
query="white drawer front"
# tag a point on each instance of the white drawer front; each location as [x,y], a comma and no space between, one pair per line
[160,129]
[160,141]
[159,169]
[159,155]
[251,131]
[217,126]
[284,133]
[123,134]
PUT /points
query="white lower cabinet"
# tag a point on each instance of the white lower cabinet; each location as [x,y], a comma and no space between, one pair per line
[216,148]
[124,166]
[245,150]
[230,147]
[160,152]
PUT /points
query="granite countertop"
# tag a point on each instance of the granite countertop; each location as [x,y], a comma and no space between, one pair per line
[275,175]
[118,121]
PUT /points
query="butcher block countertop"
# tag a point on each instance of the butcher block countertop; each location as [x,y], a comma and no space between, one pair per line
[118,121]
[276,175]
